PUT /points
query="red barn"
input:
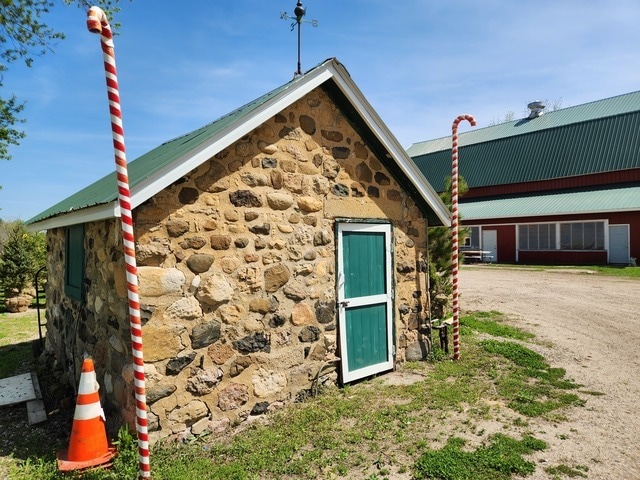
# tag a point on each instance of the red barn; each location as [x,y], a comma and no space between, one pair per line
[560,187]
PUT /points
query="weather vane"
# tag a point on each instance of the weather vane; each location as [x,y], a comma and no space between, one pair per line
[298,12]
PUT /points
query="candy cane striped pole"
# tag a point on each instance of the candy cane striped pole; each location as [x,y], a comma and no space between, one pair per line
[454,230]
[97,23]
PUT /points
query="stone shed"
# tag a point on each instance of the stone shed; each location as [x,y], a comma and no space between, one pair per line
[281,245]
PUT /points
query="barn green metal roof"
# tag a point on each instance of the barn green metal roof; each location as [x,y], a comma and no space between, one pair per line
[618,199]
[595,137]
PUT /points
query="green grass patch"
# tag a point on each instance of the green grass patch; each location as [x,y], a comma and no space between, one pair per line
[492,323]
[18,328]
[16,343]
[499,459]
[532,387]
[562,471]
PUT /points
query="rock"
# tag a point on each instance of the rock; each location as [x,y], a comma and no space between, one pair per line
[241,242]
[176,228]
[279,200]
[275,277]
[276,320]
[152,254]
[325,311]
[308,124]
[405,266]
[239,365]
[310,204]
[264,229]
[252,179]
[321,238]
[295,292]
[157,392]
[232,313]
[245,198]
[190,413]
[205,334]
[330,168]
[177,364]
[215,290]
[245,149]
[219,353]
[188,196]
[416,351]
[233,397]
[340,153]
[195,243]
[208,181]
[361,150]
[229,264]
[277,179]
[260,408]
[200,262]
[268,383]
[260,305]
[158,282]
[332,135]
[309,334]
[382,179]
[363,172]
[258,342]
[340,190]
[204,381]
[161,341]
[302,314]
[220,242]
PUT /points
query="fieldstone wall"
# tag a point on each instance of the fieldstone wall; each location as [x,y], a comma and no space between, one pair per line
[237,275]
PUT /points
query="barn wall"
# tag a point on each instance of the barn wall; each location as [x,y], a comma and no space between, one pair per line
[562,257]
[237,274]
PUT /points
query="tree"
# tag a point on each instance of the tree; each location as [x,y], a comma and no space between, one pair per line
[440,247]
[24,34]
[23,253]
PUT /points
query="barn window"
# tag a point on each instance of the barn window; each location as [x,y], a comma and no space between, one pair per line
[540,236]
[74,262]
[582,236]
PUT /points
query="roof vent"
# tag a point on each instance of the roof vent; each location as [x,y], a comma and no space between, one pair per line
[537,109]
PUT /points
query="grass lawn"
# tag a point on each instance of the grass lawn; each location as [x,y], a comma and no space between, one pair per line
[467,419]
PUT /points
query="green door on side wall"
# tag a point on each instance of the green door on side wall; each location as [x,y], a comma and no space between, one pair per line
[365,299]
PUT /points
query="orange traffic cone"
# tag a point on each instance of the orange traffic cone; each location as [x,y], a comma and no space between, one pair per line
[88,446]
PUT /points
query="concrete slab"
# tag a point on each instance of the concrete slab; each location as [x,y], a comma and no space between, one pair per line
[24,388]
[16,389]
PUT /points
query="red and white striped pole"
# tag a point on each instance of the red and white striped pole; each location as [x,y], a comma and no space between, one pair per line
[97,23]
[454,230]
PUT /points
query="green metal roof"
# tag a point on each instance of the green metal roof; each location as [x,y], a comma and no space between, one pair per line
[617,199]
[592,138]
[143,167]
[165,164]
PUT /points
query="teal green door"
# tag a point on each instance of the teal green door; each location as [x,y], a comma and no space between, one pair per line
[364,299]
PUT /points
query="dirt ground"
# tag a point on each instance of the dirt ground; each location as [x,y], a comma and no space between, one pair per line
[589,325]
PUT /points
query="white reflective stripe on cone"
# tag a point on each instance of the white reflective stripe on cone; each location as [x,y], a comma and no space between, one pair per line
[88,412]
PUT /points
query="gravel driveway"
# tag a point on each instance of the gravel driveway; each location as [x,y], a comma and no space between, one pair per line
[589,325]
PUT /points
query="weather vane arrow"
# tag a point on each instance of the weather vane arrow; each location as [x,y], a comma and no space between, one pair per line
[299,13]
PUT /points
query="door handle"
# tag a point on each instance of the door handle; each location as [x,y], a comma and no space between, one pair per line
[343,304]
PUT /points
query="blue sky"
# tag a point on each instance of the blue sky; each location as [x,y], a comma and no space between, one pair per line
[420,63]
